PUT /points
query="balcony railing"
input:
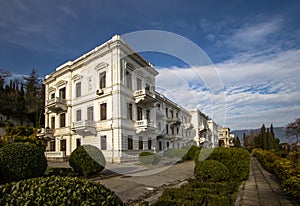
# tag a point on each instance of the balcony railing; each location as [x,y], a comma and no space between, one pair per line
[46,133]
[84,128]
[143,125]
[56,104]
[144,96]
[174,120]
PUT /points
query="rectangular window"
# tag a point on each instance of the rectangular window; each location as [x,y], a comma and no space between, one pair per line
[147,87]
[52,122]
[172,114]
[141,143]
[128,79]
[103,115]
[78,115]
[148,115]
[167,112]
[167,129]
[159,145]
[177,130]
[78,142]
[62,120]
[103,142]
[130,142]
[62,93]
[172,130]
[139,113]
[52,95]
[149,144]
[129,112]
[52,145]
[63,145]
[138,84]
[90,113]
[78,89]
[102,78]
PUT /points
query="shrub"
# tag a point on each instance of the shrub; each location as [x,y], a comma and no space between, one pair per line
[149,158]
[287,169]
[87,160]
[210,194]
[175,153]
[56,191]
[210,170]
[190,154]
[21,161]
[237,161]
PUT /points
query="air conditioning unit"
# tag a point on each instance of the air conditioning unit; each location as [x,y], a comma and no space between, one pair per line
[99,92]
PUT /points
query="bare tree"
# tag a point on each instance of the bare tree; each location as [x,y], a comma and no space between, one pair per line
[293,130]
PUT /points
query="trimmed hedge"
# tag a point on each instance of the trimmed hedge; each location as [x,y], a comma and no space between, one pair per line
[190,154]
[210,170]
[149,158]
[87,160]
[237,161]
[20,161]
[56,191]
[208,193]
[287,169]
[216,181]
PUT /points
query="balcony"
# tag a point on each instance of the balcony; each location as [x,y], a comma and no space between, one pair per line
[144,125]
[171,137]
[174,120]
[144,97]
[84,128]
[57,104]
[188,125]
[46,133]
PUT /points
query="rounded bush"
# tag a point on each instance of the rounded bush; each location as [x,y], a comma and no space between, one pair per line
[21,161]
[87,160]
[210,170]
[57,190]
[149,158]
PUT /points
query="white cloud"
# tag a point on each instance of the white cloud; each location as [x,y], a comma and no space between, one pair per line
[258,90]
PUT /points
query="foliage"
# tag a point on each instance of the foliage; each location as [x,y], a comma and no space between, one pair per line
[57,191]
[21,161]
[210,170]
[237,161]
[265,139]
[293,130]
[87,160]
[287,169]
[22,99]
[216,184]
[149,158]
[22,134]
[190,154]
[236,142]
[209,193]
[175,153]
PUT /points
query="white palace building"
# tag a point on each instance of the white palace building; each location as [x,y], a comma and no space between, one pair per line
[107,98]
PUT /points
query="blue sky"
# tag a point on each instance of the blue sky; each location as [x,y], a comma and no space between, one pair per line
[254,46]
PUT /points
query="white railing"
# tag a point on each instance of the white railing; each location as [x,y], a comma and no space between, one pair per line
[144,123]
[56,100]
[53,154]
[84,123]
[143,92]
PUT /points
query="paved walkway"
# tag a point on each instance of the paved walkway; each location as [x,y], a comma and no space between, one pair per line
[147,185]
[262,189]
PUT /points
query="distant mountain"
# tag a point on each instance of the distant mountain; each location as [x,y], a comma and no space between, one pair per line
[279,133]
